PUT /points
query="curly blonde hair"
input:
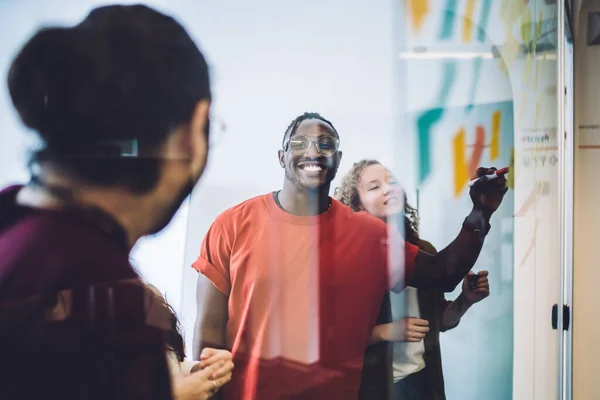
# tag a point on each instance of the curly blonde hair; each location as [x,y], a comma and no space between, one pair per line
[347,193]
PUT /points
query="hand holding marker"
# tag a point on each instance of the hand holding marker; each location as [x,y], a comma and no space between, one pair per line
[496,174]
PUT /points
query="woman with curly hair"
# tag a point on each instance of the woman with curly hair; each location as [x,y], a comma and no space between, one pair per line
[412,320]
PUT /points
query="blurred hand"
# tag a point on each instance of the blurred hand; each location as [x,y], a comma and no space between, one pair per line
[477,290]
[408,329]
[210,357]
[487,195]
[200,384]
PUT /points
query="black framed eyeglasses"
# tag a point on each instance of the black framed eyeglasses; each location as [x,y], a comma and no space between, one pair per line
[326,145]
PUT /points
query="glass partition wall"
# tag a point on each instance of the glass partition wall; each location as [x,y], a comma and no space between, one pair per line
[482,83]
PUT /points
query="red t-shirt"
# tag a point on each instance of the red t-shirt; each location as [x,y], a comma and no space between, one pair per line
[304,295]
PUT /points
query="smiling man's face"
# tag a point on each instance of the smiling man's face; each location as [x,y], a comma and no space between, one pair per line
[379,192]
[312,167]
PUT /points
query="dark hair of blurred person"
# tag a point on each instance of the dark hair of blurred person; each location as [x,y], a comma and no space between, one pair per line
[121,103]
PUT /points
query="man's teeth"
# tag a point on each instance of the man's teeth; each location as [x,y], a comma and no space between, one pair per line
[312,167]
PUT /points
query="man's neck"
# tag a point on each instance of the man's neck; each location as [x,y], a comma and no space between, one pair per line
[302,202]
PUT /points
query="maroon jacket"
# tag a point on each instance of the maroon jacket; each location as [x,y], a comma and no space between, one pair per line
[42,254]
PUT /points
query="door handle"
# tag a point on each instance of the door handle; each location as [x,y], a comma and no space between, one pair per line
[566,317]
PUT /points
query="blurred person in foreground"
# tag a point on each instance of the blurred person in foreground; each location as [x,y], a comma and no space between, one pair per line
[298,279]
[405,341]
[121,104]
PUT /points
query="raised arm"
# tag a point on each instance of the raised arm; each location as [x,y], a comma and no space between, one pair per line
[470,295]
[445,270]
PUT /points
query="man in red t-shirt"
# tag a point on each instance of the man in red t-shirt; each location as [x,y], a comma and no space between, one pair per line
[298,278]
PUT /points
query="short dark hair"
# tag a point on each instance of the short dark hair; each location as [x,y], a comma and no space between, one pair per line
[298,120]
[125,74]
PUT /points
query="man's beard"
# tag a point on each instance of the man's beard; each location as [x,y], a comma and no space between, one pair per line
[170,212]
